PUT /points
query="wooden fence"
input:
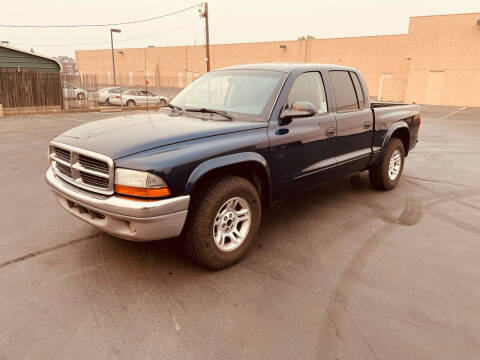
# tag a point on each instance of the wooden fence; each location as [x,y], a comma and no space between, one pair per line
[29,88]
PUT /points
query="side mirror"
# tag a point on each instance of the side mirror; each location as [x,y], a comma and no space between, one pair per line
[298,109]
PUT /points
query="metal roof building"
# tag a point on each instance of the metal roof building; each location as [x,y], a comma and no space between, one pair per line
[24,60]
[28,79]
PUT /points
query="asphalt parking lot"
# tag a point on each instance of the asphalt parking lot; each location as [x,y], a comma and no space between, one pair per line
[342,272]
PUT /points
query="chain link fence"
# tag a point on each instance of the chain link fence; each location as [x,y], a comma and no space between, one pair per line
[23,88]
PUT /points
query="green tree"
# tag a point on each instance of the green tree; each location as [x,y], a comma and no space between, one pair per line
[306,37]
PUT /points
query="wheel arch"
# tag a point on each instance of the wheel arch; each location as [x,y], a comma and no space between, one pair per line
[401,131]
[249,165]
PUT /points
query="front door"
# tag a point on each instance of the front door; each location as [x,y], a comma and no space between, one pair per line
[302,150]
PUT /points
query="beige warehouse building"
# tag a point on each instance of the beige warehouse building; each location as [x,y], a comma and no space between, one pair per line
[437,62]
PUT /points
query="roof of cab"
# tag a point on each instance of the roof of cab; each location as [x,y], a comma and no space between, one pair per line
[287,67]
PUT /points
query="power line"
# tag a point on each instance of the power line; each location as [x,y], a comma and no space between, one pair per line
[101,25]
[116,41]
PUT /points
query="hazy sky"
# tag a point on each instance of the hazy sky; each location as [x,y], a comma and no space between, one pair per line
[230,21]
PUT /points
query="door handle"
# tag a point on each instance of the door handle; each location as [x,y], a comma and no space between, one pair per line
[331,132]
[367,124]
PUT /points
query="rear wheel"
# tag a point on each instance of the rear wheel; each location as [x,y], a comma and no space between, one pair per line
[223,222]
[130,103]
[386,174]
[81,96]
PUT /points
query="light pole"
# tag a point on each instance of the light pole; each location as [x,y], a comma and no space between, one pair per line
[113,55]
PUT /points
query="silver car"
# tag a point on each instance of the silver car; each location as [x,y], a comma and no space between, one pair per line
[133,98]
[105,94]
[70,91]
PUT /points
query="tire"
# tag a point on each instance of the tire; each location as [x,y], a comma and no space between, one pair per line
[131,103]
[163,102]
[203,222]
[383,176]
[81,96]
[107,101]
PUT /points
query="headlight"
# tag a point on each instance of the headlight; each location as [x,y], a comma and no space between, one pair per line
[140,183]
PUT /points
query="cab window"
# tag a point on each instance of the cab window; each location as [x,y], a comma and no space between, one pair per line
[309,87]
[345,95]
[358,90]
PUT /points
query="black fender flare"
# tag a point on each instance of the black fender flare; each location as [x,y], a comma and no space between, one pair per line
[396,126]
[223,161]
[388,136]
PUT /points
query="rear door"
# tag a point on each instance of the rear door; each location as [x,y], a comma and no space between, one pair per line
[302,150]
[354,122]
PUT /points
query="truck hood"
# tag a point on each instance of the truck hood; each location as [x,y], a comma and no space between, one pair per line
[122,136]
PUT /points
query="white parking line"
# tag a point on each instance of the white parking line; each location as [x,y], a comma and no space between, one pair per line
[452,113]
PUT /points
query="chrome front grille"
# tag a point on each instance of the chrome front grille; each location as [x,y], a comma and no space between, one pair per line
[82,168]
[62,154]
[93,164]
[94,180]
[65,170]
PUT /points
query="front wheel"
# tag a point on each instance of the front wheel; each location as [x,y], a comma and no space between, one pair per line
[223,222]
[386,174]
[81,96]
[163,102]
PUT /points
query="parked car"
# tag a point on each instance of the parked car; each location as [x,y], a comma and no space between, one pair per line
[133,98]
[231,142]
[104,94]
[71,91]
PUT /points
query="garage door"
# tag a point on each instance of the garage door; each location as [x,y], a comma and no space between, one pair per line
[434,87]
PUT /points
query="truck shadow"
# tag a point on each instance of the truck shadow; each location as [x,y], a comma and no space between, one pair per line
[295,232]
[356,188]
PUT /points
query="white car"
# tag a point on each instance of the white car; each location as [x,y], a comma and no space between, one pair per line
[133,98]
[70,91]
[105,94]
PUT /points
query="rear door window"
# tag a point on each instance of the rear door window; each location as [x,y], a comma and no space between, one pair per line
[358,90]
[345,96]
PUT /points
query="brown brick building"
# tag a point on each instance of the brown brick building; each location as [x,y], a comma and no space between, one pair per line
[437,62]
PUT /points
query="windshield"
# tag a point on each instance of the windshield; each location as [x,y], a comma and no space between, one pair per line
[241,92]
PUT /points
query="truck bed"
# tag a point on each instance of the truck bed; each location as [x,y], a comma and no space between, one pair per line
[376,104]
[392,112]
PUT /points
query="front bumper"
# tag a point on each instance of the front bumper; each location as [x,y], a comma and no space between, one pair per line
[126,218]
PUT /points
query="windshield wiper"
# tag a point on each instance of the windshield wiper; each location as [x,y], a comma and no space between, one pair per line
[175,107]
[212,111]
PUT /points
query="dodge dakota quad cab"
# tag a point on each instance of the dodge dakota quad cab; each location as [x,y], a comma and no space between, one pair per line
[229,144]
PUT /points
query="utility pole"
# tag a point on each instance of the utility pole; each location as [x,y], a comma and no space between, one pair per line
[113,55]
[207,37]
[146,77]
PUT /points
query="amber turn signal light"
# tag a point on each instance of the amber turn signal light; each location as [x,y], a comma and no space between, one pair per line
[142,192]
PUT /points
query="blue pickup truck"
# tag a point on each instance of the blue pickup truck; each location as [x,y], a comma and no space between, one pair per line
[230,143]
